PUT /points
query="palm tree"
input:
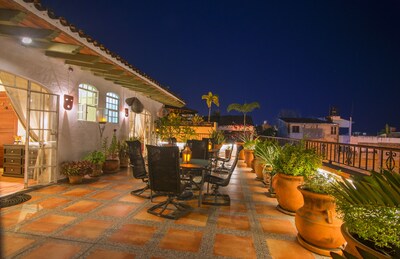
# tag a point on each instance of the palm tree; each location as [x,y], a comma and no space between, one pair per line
[210,99]
[243,108]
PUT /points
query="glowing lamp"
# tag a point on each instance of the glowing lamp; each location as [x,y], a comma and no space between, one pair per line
[186,154]
[209,145]
[26,40]
[102,119]
[68,102]
[126,112]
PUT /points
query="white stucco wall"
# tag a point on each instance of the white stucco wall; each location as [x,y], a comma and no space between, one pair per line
[76,138]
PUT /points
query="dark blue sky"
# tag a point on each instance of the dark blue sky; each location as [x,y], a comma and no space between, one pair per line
[287,55]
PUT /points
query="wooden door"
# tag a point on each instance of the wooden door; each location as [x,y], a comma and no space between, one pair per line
[8,123]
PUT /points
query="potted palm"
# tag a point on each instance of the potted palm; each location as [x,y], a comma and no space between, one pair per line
[217,138]
[317,224]
[265,152]
[294,163]
[370,209]
[111,164]
[249,143]
[96,158]
[75,170]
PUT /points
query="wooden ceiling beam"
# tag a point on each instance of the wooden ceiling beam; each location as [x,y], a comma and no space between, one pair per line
[10,16]
[73,57]
[17,31]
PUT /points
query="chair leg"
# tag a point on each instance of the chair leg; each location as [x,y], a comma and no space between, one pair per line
[216,198]
[139,192]
[181,209]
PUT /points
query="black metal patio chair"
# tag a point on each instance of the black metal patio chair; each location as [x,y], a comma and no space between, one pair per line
[216,179]
[165,177]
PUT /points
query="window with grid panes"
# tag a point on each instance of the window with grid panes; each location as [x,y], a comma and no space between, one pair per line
[88,101]
[112,105]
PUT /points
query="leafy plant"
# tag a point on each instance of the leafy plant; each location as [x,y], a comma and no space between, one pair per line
[187,133]
[217,137]
[95,157]
[319,183]
[111,151]
[210,99]
[249,140]
[297,160]
[168,127]
[267,151]
[370,207]
[75,168]
[122,149]
[196,120]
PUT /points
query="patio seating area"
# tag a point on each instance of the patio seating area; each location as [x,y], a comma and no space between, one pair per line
[101,219]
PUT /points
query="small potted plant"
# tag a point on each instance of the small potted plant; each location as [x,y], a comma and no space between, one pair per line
[111,164]
[316,222]
[217,138]
[123,154]
[96,158]
[249,144]
[370,209]
[228,152]
[265,152]
[75,170]
[294,163]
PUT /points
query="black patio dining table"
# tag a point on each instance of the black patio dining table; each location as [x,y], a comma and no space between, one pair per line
[192,169]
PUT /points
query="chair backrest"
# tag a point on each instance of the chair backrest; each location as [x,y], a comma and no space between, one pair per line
[232,168]
[199,148]
[230,154]
[164,169]
[136,159]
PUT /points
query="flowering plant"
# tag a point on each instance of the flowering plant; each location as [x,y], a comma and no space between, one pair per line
[76,168]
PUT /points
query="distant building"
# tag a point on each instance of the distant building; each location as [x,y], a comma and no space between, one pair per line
[308,128]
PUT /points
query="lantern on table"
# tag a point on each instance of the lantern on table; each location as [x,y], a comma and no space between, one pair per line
[186,154]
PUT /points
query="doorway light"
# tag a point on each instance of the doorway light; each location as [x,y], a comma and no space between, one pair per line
[26,40]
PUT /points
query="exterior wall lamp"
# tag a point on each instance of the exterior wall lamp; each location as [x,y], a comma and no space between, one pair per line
[68,102]
[126,112]
[102,120]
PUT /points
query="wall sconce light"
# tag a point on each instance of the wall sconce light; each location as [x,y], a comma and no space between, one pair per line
[126,112]
[102,119]
[68,102]
[186,154]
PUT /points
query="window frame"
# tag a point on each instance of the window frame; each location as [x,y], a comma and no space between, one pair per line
[91,93]
[112,108]
[295,129]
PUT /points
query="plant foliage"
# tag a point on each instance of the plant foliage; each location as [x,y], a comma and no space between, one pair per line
[217,137]
[210,99]
[75,168]
[370,207]
[267,151]
[297,160]
[95,157]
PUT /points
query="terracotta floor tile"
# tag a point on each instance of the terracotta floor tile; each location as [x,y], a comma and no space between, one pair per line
[78,192]
[236,195]
[52,189]
[134,234]
[131,198]
[183,240]
[12,244]
[144,215]
[117,210]
[234,246]
[267,209]
[282,249]
[233,222]
[278,226]
[258,189]
[53,202]
[112,254]
[48,223]
[234,207]
[105,195]
[124,187]
[88,229]
[194,218]
[100,184]
[82,206]
[12,218]
[52,249]
[262,197]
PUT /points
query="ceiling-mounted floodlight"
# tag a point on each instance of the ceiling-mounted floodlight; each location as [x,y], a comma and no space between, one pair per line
[26,40]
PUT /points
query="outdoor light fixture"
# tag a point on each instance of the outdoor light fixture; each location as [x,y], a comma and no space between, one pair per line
[102,119]
[186,154]
[26,40]
[126,112]
[68,102]
[209,145]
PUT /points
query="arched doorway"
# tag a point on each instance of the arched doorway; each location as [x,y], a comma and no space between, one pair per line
[31,154]
[141,127]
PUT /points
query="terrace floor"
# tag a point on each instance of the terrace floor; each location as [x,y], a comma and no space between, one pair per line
[100,219]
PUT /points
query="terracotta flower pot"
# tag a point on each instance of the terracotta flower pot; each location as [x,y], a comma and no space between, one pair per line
[248,157]
[352,243]
[75,179]
[111,166]
[258,168]
[289,197]
[241,153]
[317,225]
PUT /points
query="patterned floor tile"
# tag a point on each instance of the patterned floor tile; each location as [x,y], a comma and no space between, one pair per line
[117,210]
[82,206]
[88,229]
[278,226]
[47,224]
[78,192]
[112,254]
[282,249]
[233,222]
[194,218]
[144,215]
[12,244]
[234,246]
[131,198]
[53,202]
[105,195]
[54,249]
[134,234]
[182,240]
[52,189]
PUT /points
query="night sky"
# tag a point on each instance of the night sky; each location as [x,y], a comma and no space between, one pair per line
[297,57]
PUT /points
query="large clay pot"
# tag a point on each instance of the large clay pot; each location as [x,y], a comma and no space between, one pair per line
[289,197]
[248,157]
[258,168]
[317,225]
[111,166]
[75,179]
[352,243]
[241,153]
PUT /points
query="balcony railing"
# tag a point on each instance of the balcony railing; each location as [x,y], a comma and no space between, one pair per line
[360,158]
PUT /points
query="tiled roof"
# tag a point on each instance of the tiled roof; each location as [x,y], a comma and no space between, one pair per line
[304,120]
